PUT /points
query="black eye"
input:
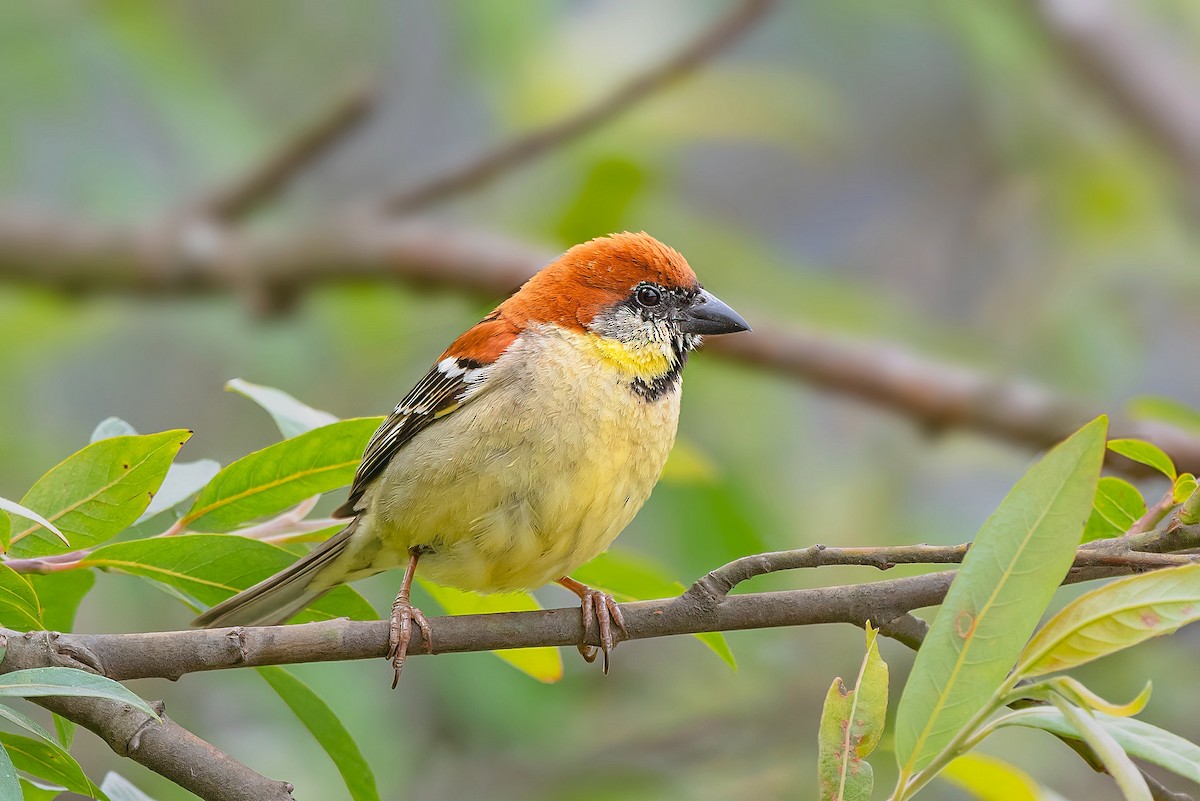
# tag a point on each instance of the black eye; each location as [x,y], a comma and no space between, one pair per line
[648,296]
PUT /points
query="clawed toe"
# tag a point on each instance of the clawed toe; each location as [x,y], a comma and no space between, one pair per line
[404,615]
[600,611]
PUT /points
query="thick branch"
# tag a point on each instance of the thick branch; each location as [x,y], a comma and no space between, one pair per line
[73,256]
[484,168]
[163,746]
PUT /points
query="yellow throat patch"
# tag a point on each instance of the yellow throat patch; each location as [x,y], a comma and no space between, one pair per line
[638,361]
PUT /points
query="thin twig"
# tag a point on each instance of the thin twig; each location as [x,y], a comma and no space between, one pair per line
[263,182]
[489,165]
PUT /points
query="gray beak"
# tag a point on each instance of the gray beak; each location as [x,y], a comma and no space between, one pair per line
[708,314]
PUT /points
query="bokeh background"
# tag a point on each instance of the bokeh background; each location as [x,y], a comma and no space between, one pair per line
[956,179]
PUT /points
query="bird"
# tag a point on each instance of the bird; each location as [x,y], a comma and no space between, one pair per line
[525,450]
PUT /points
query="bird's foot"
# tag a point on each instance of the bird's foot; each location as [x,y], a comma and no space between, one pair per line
[404,614]
[601,611]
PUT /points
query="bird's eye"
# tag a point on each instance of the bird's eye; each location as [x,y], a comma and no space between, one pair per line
[648,296]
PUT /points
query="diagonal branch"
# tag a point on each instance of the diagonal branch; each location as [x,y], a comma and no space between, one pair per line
[265,180]
[487,166]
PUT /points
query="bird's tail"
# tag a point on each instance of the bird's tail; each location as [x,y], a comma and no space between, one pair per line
[274,600]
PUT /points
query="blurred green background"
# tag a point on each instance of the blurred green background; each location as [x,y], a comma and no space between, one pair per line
[930,174]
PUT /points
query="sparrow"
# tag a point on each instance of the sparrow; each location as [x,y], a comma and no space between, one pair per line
[525,450]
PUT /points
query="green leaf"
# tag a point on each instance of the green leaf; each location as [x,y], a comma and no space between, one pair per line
[212,567]
[118,788]
[47,762]
[99,491]
[40,791]
[687,464]
[328,730]
[19,607]
[990,779]
[30,725]
[10,786]
[851,726]
[1138,738]
[282,475]
[62,681]
[1108,750]
[1185,485]
[544,664]
[5,529]
[1017,561]
[1118,505]
[65,729]
[7,506]
[1116,616]
[627,577]
[60,595]
[1145,453]
[290,415]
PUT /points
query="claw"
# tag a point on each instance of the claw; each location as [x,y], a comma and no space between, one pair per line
[404,614]
[600,610]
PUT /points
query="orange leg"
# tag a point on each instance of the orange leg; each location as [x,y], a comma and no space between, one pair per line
[598,609]
[404,614]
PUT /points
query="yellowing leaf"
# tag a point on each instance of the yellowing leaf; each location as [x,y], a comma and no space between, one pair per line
[990,779]
[544,664]
[1119,614]
[851,725]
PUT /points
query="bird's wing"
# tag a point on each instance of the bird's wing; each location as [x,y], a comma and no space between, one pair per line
[451,383]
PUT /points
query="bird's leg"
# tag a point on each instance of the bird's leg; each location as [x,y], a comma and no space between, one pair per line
[404,614]
[598,609]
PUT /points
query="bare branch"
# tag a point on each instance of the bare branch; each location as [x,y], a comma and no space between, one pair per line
[489,165]
[264,181]
[74,256]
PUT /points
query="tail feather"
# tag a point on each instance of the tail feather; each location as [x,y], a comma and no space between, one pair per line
[276,599]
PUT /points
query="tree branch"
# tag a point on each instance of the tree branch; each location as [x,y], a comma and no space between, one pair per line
[73,256]
[487,166]
[161,745]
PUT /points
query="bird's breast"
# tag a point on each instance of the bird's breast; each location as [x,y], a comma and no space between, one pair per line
[532,478]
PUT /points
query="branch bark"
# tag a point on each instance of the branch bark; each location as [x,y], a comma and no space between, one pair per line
[74,256]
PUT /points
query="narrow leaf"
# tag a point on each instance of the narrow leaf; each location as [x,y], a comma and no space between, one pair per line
[1118,505]
[96,493]
[1145,453]
[34,790]
[1138,738]
[62,681]
[1081,696]
[990,779]
[851,726]
[282,475]
[1017,561]
[65,729]
[1108,750]
[19,607]
[1168,410]
[290,415]
[47,762]
[30,725]
[19,510]
[5,530]
[324,725]
[544,664]
[10,786]
[1113,617]
[212,567]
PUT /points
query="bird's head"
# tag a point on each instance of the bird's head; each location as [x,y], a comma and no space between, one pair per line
[635,299]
